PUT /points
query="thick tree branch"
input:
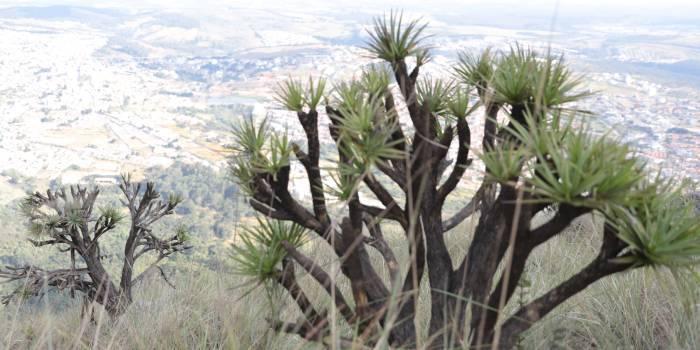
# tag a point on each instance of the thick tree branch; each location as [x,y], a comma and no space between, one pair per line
[396,176]
[286,277]
[522,250]
[310,161]
[394,211]
[462,162]
[322,278]
[602,266]
[377,241]
[34,280]
[468,210]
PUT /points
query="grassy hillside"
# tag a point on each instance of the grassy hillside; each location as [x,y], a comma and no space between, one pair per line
[213,308]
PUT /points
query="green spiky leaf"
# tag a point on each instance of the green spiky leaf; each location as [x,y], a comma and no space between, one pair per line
[458,103]
[392,40]
[260,250]
[112,214]
[375,80]
[661,230]
[182,234]
[434,94]
[291,95]
[476,70]
[314,93]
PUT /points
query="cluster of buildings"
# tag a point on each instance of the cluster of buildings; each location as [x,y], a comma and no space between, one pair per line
[73,106]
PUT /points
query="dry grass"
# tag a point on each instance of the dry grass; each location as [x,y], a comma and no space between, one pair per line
[643,309]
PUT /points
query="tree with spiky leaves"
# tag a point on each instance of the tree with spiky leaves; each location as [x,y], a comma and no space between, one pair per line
[71,222]
[538,156]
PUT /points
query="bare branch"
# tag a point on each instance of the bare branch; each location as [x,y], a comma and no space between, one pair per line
[36,280]
[603,265]
[377,241]
[462,162]
[322,278]
[468,210]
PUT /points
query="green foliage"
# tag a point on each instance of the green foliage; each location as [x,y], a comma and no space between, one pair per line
[585,170]
[566,166]
[53,221]
[36,229]
[561,165]
[503,164]
[434,94]
[361,138]
[375,80]
[315,92]
[393,40]
[250,137]
[364,138]
[476,70]
[661,229]
[182,234]
[111,214]
[260,250]
[175,199]
[514,78]
[364,131]
[523,78]
[242,173]
[578,168]
[278,155]
[349,95]
[556,84]
[458,103]
[292,95]
[74,219]
[257,151]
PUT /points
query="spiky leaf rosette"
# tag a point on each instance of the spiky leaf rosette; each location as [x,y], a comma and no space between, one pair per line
[457,105]
[476,69]
[576,167]
[293,96]
[513,79]
[257,151]
[260,250]
[660,228]
[57,217]
[524,78]
[435,94]
[375,80]
[504,163]
[364,127]
[560,165]
[364,137]
[290,94]
[392,40]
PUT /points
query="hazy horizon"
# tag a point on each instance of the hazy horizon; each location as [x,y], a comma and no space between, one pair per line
[481,11]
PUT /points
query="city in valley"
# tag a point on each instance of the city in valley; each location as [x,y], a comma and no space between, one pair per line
[89,93]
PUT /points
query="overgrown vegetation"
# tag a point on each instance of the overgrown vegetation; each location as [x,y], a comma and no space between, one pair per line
[638,310]
[212,204]
[74,224]
[533,260]
[539,158]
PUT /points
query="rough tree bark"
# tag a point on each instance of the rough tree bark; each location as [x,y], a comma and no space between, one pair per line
[526,92]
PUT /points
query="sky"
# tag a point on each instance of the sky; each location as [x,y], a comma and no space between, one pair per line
[681,10]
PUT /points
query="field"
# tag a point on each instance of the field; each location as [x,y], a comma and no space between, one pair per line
[642,309]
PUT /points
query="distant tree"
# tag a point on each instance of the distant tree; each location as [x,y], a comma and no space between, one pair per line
[73,224]
[538,157]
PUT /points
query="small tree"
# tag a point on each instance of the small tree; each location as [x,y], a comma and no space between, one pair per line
[538,157]
[74,225]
